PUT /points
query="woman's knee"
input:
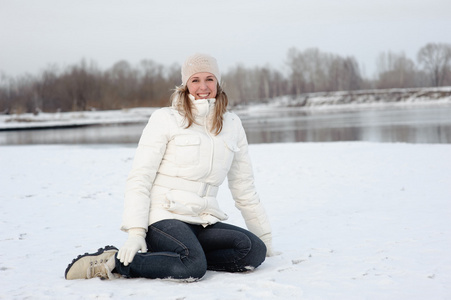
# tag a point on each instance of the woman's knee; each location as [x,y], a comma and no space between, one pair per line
[177,244]
[257,254]
[233,249]
[196,268]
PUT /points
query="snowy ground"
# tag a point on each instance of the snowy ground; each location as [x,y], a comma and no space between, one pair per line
[350,220]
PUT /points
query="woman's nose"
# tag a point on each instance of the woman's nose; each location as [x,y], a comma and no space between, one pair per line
[203,85]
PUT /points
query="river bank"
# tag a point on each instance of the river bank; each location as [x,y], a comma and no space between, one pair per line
[310,103]
[362,99]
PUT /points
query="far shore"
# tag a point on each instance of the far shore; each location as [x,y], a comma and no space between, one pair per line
[324,102]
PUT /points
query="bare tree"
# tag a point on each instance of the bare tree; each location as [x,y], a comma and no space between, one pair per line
[81,86]
[22,95]
[343,74]
[49,95]
[5,94]
[295,62]
[314,71]
[436,60]
[236,82]
[396,71]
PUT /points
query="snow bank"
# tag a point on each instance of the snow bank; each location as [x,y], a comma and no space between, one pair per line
[74,119]
[355,100]
[350,220]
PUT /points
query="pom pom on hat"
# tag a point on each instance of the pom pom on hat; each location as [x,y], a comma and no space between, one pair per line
[200,63]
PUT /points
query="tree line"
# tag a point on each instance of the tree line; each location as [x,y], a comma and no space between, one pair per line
[85,87]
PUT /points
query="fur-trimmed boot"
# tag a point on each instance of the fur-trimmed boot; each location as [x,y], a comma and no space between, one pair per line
[98,264]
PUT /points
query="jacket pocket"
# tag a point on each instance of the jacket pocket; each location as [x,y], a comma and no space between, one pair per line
[232,145]
[187,149]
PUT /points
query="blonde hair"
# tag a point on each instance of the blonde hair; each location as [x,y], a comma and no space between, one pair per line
[183,104]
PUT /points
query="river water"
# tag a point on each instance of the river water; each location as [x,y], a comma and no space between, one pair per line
[408,124]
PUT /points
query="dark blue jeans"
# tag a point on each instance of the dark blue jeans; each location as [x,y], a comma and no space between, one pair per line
[184,251]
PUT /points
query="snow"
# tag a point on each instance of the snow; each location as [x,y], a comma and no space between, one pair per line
[78,118]
[351,220]
[336,101]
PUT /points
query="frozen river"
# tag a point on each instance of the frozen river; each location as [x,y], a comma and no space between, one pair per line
[410,125]
[407,124]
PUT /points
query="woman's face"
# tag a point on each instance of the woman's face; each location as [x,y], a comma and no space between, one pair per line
[202,85]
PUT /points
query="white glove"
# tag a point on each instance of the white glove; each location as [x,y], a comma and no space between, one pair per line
[135,242]
[267,239]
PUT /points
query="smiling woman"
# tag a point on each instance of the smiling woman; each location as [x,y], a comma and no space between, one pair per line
[185,153]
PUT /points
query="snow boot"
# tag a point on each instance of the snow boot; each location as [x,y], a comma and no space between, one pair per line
[98,264]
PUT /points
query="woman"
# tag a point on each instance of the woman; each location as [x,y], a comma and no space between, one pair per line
[173,220]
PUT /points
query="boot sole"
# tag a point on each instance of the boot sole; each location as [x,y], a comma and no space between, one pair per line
[100,251]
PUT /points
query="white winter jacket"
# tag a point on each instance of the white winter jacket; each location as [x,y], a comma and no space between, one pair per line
[177,171]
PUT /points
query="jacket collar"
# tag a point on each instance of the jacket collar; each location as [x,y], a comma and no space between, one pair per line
[203,109]
[203,106]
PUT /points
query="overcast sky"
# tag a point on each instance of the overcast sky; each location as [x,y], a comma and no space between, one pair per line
[37,33]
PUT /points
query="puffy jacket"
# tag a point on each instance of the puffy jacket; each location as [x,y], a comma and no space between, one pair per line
[177,171]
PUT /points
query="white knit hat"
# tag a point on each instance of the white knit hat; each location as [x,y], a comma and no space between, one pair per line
[200,63]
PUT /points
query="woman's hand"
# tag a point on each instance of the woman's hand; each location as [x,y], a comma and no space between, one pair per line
[135,242]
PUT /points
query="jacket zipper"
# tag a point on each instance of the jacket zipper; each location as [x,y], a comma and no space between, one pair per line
[211,139]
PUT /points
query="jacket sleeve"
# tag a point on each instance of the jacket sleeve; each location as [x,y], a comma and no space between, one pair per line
[148,156]
[241,184]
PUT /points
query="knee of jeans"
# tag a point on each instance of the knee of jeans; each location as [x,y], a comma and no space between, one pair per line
[198,268]
[258,253]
